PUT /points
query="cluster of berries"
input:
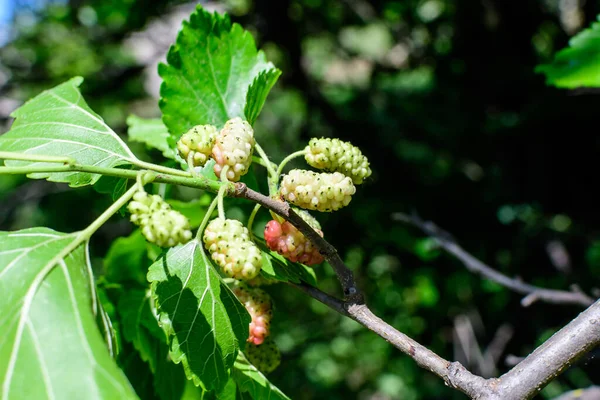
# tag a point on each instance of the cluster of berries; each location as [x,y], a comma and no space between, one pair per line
[232,146]
[158,222]
[329,191]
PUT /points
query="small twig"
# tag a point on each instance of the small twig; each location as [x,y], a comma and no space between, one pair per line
[532,293]
[343,273]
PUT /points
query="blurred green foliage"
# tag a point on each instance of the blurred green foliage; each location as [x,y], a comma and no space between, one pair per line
[444,99]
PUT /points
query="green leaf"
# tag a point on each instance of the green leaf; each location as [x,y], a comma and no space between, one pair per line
[58,122]
[251,380]
[204,322]
[275,266]
[127,260]
[153,133]
[51,346]
[577,65]
[139,326]
[258,92]
[170,381]
[208,72]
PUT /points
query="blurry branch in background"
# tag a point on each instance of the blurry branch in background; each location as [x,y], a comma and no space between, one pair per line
[532,293]
[467,348]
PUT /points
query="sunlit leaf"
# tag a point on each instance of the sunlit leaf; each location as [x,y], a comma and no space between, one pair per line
[204,322]
[153,133]
[251,380]
[578,65]
[208,73]
[51,346]
[58,122]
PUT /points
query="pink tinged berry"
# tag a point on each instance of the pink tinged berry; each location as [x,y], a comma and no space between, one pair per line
[259,305]
[233,147]
[288,241]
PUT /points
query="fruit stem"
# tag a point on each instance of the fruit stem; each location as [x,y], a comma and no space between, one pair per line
[288,159]
[221,193]
[207,216]
[190,163]
[273,179]
[251,220]
[265,158]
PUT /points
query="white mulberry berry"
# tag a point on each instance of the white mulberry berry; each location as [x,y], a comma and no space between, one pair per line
[265,357]
[158,222]
[196,144]
[334,155]
[233,147]
[228,242]
[259,306]
[317,191]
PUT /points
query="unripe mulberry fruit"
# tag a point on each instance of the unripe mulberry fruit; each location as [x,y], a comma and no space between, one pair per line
[265,357]
[260,307]
[228,242]
[158,222]
[334,155]
[317,191]
[291,243]
[196,144]
[309,219]
[233,147]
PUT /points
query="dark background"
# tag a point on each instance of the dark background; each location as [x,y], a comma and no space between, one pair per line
[440,95]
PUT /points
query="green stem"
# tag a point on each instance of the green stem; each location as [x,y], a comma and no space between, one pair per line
[159,168]
[260,161]
[190,163]
[198,182]
[288,159]
[207,216]
[251,219]
[265,158]
[273,179]
[110,211]
[221,193]
[9,155]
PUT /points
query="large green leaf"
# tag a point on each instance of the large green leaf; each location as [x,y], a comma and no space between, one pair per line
[577,65]
[139,325]
[153,133]
[203,320]
[51,346]
[208,72]
[127,260]
[251,380]
[58,122]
